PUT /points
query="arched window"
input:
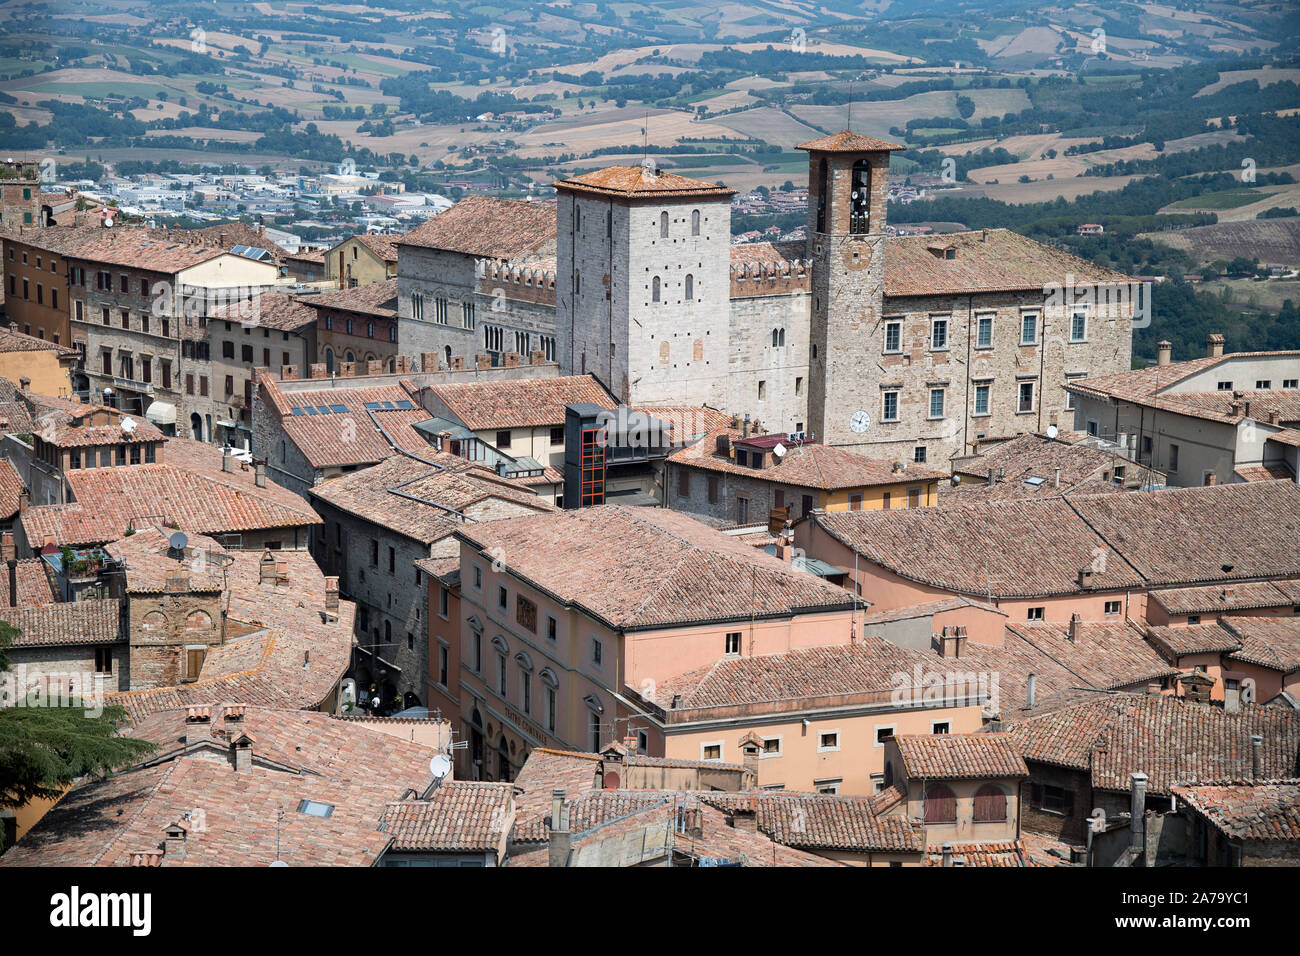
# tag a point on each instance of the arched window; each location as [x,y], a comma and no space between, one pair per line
[329,361]
[370,330]
[663,225]
[447,353]
[690,287]
[198,621]
[940,805]
[990,804]
[352,356]
[654,290]
[860,199]
[695,222]
[821,196]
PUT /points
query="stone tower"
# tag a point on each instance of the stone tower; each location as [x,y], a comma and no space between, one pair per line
[642,284]
[847,188]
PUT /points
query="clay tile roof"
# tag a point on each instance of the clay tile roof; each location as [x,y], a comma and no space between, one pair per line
[807,466]
[110,822]
[649,567]
[11,487]
[488,227]
[274,310]
[347,432]
[72,622]
[1267,810]
[638,182]
[14,341]
[375,298]
[1173,536]
[458,816]
[1105,655]
[1028,467]
[386,495]
[825,821]
[282,653]
[187,488]
[383,246]
[1271,642]
[1172,740]
[848,142]
[1194,535]
[987,260]
[520,403]
[960,756]
[35,585]
[981,548]
[1244,595]
[139,248]
[1156,387]
[829,671]
[1003,853]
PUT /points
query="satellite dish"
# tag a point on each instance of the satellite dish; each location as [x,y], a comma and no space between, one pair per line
[128,425]
[956,479]
[779,450]
[179,540]
[279,863]
[1052,432]
[440,766]
[108,222]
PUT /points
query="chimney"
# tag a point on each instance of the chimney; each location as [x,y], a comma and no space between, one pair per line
[1164,352]
[561,839]
[1274,418]
[266,569]
[744,429]
[242,748]
[947,854]
[750,748]
[174,840]
[1256,756]
[332,593]
[1076,628]
[259,475]
[1085,579]
[744,819]
[1031,686]
[24,499]
[234,720]
[198,725]
[1211,479]
[227,459]
[24,382]
[1137,812]
[1056,481]
[1213,345]
[949,643]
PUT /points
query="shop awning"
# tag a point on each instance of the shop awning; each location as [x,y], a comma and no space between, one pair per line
[161,413]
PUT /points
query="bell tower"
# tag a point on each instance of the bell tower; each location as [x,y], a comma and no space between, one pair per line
[848,181]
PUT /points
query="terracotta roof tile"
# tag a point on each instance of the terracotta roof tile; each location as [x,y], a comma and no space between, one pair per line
[639,182]
[848,142]
[1217,598]
[490,228]
[423,500]
[520,403]
[1265,810]
[188,488]
[960,756]
[989,260]
[648,567]
[1172,740]
[458,815]
[66,623]
[375,298]
[823,467]
[11,488]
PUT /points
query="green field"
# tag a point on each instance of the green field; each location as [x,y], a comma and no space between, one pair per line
[1227,199]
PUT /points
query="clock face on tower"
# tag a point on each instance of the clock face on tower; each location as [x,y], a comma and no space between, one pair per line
[859,421]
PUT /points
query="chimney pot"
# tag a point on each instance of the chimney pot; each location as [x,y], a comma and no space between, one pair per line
[1256,756]
[1030,687]
[1076,627]
[1164,352]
